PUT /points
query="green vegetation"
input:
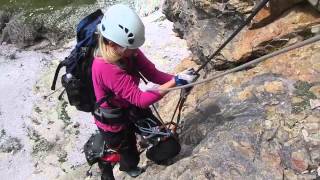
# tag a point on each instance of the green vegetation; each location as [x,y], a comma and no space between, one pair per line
[63,114]
[2,133]
[42,4]
[42,145]
[302,91]
[62,156]
[37,109]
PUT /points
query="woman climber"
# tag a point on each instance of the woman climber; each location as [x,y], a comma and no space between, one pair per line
[116,71]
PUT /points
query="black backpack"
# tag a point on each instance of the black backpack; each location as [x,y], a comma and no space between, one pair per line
[77,80]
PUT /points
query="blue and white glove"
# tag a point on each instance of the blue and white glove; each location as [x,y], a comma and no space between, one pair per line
[185,77]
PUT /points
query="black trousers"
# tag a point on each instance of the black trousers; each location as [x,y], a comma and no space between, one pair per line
[129,155]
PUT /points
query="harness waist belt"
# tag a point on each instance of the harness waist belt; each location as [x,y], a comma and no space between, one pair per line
[110,116]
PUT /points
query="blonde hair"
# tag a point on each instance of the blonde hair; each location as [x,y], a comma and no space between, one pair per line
[106,51]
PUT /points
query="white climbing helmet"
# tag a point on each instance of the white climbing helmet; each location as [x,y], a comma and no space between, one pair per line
[123,26]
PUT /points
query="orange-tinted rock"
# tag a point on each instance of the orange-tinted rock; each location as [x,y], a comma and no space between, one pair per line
[245,148]
[185,64]
[274,87]
[316,89]
[291,21]
[299,161]
[272,11]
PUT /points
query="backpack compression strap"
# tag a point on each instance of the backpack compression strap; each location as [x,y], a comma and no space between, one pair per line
[61,64]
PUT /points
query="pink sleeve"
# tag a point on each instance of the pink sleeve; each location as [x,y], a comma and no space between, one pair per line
[149,71]
[123,85]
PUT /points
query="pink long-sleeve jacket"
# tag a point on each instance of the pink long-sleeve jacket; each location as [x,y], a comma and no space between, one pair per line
[109,77]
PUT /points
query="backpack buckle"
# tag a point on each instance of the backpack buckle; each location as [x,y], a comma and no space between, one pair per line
[84,50]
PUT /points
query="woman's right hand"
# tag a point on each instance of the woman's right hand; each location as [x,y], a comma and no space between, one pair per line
[185,77]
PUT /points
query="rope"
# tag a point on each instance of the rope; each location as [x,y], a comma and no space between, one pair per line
[156,111]
[243,66]
[183,98]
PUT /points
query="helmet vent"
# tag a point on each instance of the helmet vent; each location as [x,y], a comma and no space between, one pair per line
[130,35]
[103,28]
[131,40]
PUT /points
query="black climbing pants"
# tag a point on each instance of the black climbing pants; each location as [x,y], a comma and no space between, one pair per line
[129,155]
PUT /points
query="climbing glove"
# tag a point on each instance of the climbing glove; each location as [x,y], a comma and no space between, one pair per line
[185,77]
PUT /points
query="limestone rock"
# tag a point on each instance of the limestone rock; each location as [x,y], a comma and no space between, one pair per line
[295,23]
[204,24]
[243,137]
[252,124]
[272,11]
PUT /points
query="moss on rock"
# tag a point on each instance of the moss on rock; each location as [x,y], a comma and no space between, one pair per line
[302,91]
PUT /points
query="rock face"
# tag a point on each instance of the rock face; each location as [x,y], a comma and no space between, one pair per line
[206,24]
[261,123]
